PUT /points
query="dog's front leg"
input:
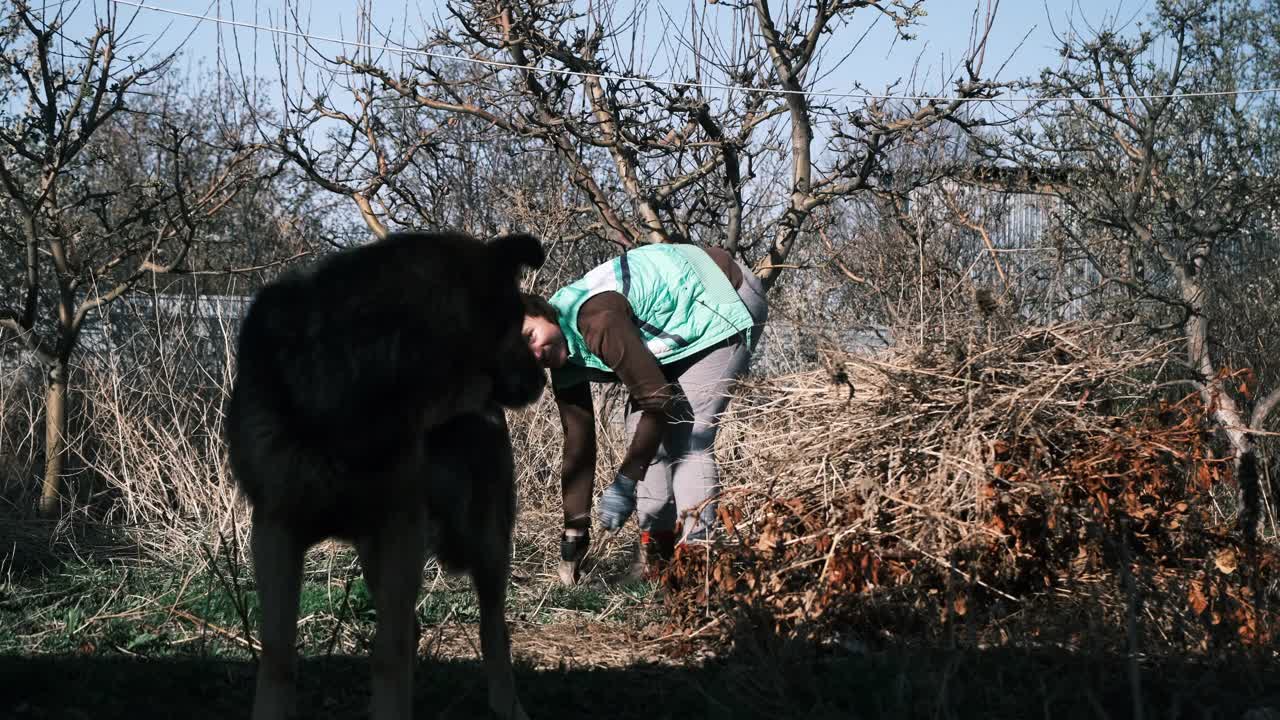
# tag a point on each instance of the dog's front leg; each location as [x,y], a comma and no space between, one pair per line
[490,581]
[394,558]
[277,566]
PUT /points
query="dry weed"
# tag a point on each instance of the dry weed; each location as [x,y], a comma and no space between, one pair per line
[963,484]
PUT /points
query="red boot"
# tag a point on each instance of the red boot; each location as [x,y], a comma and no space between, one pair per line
[655,550]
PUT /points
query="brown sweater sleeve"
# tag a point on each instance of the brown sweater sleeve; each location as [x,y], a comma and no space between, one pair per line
[606,325]
[578,466]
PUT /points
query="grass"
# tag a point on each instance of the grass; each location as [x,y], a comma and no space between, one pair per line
[148,608]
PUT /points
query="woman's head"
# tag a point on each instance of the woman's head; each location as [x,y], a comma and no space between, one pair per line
[542,332]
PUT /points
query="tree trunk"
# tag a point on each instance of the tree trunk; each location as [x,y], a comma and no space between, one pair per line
[55,440]
[1226,412]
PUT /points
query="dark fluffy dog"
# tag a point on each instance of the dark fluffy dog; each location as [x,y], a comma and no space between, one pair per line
[367,407]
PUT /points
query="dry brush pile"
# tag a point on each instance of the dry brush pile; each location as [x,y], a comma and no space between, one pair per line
[966,488]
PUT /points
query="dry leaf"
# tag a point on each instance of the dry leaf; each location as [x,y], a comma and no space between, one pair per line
[726,518]
[768,539]
[1195,595]
[1226,561]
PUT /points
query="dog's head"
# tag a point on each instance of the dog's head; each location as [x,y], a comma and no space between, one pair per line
[517,378]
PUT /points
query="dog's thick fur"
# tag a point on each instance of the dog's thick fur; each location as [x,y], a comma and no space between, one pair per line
[367,406]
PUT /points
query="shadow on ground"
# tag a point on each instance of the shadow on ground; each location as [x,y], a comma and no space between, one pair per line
[932,684]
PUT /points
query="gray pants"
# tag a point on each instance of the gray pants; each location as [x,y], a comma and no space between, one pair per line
[684,474]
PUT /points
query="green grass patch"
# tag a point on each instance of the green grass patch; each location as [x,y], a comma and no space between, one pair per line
[155,610]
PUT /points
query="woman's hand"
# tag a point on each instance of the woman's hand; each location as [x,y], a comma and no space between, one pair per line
[617,502]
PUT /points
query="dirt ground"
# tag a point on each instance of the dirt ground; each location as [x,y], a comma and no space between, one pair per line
[591,669]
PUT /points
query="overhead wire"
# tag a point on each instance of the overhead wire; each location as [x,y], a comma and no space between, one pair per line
[703,86]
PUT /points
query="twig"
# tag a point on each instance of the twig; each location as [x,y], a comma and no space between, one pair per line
[201,622]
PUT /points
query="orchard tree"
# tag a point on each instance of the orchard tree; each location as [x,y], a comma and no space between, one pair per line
[1172,192]
[727,144]
[101,195]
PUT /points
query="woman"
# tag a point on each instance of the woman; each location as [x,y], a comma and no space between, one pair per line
[676,324]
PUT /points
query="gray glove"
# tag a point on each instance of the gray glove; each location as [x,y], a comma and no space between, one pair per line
[617,502]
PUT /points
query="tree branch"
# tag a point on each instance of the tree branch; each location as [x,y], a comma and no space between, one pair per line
[1263,409]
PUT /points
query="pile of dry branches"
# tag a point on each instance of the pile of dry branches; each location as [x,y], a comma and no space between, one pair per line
[974,480]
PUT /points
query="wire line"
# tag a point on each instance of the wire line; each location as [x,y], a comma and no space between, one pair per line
[700,86]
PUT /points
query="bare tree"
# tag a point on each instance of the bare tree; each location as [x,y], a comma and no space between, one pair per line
[95,215]
[350,136]
[1170,182]
[721,151]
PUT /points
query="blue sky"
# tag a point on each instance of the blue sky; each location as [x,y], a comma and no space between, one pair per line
[1023,33]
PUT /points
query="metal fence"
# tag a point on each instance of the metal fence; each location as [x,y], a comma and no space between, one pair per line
[140,325]
[1049,283]
[137,330]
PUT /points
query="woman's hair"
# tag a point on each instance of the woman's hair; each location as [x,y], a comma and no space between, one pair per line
[535,306]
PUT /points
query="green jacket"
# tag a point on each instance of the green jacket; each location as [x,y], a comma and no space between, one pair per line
[681,301]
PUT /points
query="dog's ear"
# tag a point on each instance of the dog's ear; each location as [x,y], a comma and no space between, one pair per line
[516,250]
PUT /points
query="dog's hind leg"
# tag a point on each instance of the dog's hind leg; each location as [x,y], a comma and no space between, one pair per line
[490,580]
[277,566]
[392,560]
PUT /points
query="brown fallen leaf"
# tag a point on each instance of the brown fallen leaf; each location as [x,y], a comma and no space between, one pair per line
[1226,561]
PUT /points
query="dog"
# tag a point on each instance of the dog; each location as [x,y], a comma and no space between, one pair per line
[367,406]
